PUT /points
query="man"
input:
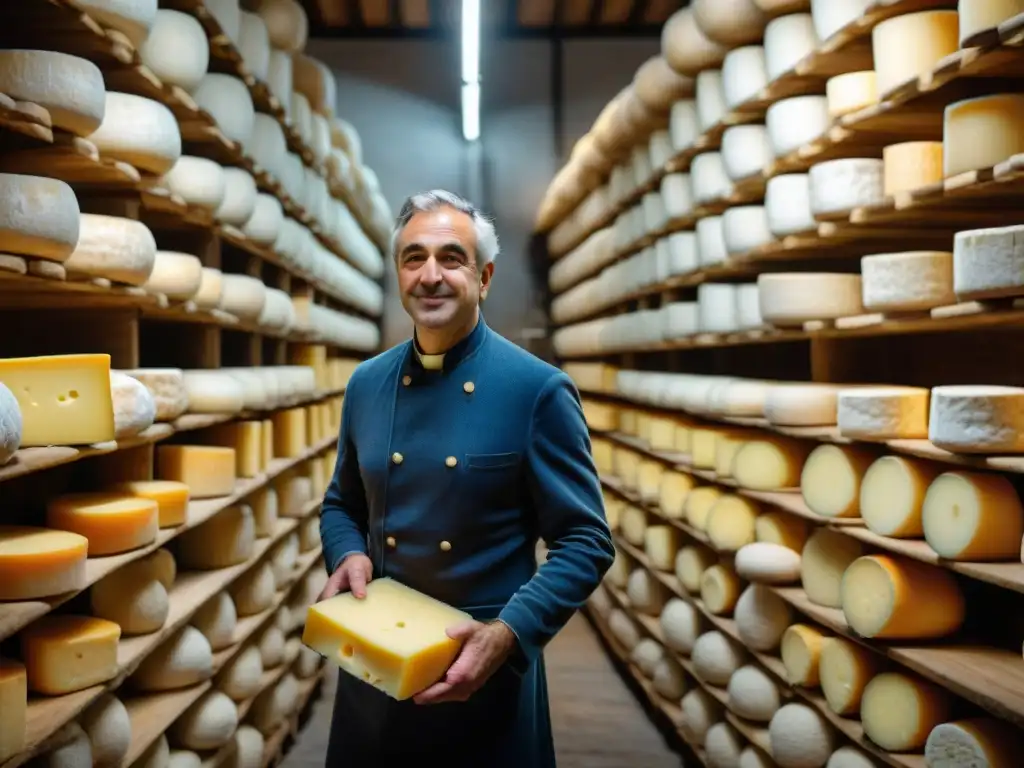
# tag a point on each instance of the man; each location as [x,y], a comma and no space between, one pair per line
[457,451]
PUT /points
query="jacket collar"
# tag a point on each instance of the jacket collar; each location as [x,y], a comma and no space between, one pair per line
[417,363]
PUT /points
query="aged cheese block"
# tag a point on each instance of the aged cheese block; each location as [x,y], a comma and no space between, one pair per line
[800,736]
[883,413]
[720,589]
[824,560]
[892,494]
[119,249]
[831,478]
[988,263]
[139,131]
[851,92]
[981,132]
[801,653]
[982,741]
[908,46]
[167,387]
[899,710]
[905,282]
[207,471]
[841,185]
[38,216]
[977,419]
[358,635]
[176,49]
[70,88]
[686,47]
[973,516]
[112,522]
[64,653]
[911,165]
[845,669]
[895,598]
[39,562]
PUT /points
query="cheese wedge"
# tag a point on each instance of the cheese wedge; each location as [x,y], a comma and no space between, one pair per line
[65,653]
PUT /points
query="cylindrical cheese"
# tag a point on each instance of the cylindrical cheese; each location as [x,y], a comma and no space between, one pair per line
[831,477]
[719,589]
[892,493]
[977,419]
[823,562]
[800,649]
[838,186]
[908,46]
[686,48]
[883,413]
[844,669]
[899,710]
[973,516]
[793,298]
[911,165]
[981,132]
[905,282]
[850,92]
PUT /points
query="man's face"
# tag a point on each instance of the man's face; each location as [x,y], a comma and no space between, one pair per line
[438,276]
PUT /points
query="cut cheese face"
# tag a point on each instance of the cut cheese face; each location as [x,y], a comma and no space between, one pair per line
[823,562]
[730,523]
[70,88]
[977,419]
[65,653]
[907,282]
[982,132]
[892,495]
[986,263]
[973,516]
[895,598]
[112,522]
[898,711]
[171,498]
[850,92]
[691,562]
[831,478]
[208,472]
[720,589]
[909,46]
[883,413]
[911,165]
[981,741]
[38,562]
[845,669]
[14,705]
[394,639]
[770,463]
[800,649]
[782,529]
[39,216]
[64,399]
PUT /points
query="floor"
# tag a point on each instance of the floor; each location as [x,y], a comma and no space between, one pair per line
[598,723]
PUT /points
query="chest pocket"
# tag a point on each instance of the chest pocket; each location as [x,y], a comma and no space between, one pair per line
[495,479]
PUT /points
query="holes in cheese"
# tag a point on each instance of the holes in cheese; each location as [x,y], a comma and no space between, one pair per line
[183,659]
[783,529]
[70,88]
[228,538]
[112,522]
[624,629]
[898,711]
[761,617]
[770,463]
[698,505]
[394,638]
[977,419]
[883,413]
[981,741]
[646,655]
[752,694]
[668,678]
[645,593]
[14,705]
[217,619]
[831,477]
[634,525]
[132,597]
[208,724]
[892,493]
[681,624]
[908,46]
[37,562]
[800,737]
[801,651]
[109,729]
[700,710]
[661,545]
[972,516]
[722,745]
[66,653]
[208,472]
[823,561]
[765,563]
[730,523]
[720,589]
[845,669]
[691,562]
[675,487]
[715,657]
[889,597]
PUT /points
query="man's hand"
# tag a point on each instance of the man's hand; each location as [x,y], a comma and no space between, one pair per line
[485,648]
[353,575]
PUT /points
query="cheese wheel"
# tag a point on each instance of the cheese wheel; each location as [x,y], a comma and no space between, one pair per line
[254,44]
[133,18]
[274,705]
[184,659]
[37,562]
[981,132]
[892,494]
[753,695]
[883,413]
[286,22]
[315,81]
[39,216]
[800,649]
[898,711]
[226,539]
[902,282]
[197,181]
[831,477]
[74,749]
[745,228]
[646,656]
[645,593]
[751,757]
[211,288]
[167,388]
[788,204]
[698,505]
[271,646]
[686,47]
[118,249]
[249,746]
[908,46]
[743,75]
[70,88]
[729,22]
[658,86]
[824,560]
[683,126]
[228,101]
[176,49]
[977,18]
[719,589]
[113,523]
[109,729]
[987,263]
[770,463]
[661,545]
[176,275]
[982,741]
[708,177]
[787,40]
[691,562]
[138,131]
[668,678]
[681,624]
[782,529]
[830,16]
[715,657]
[213,392]
[722,745]
[911,165]
[700,711]
[801,405]
[131,598]
[243,296]
[746,150]
[157,756]
[845,669]
[800,737]
[788,299]
[796,121]
[851,92]
[977,419]
[767,563]
[254,592]
[217,620]
[730,523]
[895,598]
[972,516]
[226,14]
[761,618]
[711,248]
[208,724]
[841,185]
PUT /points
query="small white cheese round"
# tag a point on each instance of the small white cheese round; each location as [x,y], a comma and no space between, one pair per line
[800,737]
[217,620]
[761,617]
[716,657]
[624,629]
[241,678]
[208,724]
[753,695]
[766,563]
[183,659]
[681,624]
[700,711]
[109,728]
[646,655]
[722,746]
[668,678]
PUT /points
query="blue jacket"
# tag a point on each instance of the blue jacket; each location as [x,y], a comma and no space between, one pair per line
[447,479]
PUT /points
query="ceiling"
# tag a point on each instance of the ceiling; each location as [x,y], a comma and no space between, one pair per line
[504,18]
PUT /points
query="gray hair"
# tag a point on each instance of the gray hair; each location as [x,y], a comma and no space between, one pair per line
[486,238]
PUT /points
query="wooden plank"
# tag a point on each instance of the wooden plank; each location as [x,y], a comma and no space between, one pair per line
[376,13]
[535,13]
[416,13]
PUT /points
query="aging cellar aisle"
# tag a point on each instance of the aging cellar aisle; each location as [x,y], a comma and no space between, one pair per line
[598,722]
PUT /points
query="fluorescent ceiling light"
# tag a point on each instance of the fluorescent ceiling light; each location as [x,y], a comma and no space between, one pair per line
[471,111]
[471,69]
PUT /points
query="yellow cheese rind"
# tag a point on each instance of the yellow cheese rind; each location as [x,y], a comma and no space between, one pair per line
[892,493]
[908,46]
[730,522]
[895,598]
[972,516]
[691,563]
[394,638]
[911,165]
[824,559]
[65,653]
[38,562]
[831,477]
[675,487]
[898,711]
[171,498]
[720,589]
[207,471]
[770,463]
[982,132]
[698,505]
[14,706]
[845,668]
[801,651]
[782,528]
[112,522]
[981,741]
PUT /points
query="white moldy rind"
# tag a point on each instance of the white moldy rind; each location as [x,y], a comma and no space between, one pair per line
[915,280]
[883,413]
[989,263]
[841,185]
[977,419]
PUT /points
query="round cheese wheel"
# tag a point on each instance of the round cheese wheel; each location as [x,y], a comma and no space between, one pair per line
[686,47]
[973,516]
[646,655]
[691,562]
[11,424]
[801,653]
[227,15]
[210,289]
[787,40]
[229,102]
[845,668]
[176,275]
[286,22]
[254,591]
[645,593]
[264,225]
[700,710]
[719,589]
[307,663]
[183,659]
[314,79]
[753,695]
[254,44]
[208,724]
[824,559]
[228,538]
[722,745]
[659,86]
[217,619]
[138,131]
[70,88]
[730,22]
[109,729]
[112,247]
[898,710]
[800,737]
[177,49]
[131,598]
[751,757]
[198,181]
[715,657]
[767,563]
[132,18]
[243,296]
[240,680]
[271,647]
[681,624]
[39,216]
[761,617]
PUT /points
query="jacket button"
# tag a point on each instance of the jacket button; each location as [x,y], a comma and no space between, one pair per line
[391,541]
[446,546]
[396,457]
[451,461]
[407,380]
[469,386]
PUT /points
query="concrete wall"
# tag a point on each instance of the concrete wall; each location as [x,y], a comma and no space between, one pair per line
[403,98]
